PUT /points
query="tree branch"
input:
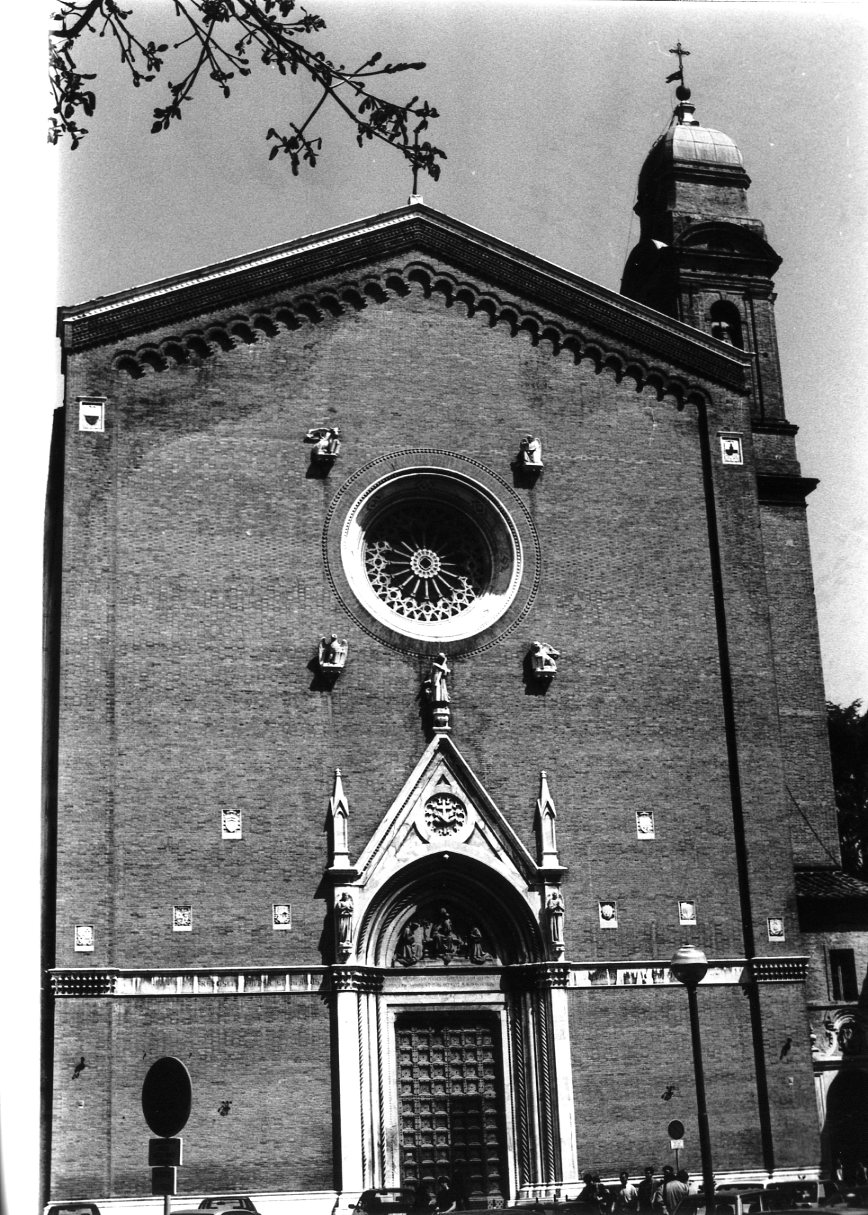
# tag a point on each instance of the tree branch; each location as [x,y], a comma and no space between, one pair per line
[278,44]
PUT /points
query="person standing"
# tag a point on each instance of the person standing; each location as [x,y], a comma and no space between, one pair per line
[604,1198]
[672,1190]
[588,1193]
[626,1195]
[646,1188]
[446,1200]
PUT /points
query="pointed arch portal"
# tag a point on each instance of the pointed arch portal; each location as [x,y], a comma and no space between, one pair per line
[451,1020]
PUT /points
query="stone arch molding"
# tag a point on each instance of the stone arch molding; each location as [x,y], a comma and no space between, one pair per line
[443,845]
[327,303]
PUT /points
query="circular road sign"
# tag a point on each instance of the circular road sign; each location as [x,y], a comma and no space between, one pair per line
[167,1096]
[676,1129]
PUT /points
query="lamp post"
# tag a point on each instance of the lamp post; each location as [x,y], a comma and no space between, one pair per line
[689,966]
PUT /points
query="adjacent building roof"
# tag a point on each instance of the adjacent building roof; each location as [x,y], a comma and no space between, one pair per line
[829,884]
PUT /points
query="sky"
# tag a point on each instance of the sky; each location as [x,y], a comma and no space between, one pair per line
[548,110]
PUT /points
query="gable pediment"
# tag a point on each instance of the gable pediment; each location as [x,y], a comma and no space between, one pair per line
[444,860]
[443,808]
[187,318]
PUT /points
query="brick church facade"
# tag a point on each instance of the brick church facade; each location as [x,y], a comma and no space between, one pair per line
[431,651]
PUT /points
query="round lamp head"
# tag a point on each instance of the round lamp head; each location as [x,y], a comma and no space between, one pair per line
[689,965]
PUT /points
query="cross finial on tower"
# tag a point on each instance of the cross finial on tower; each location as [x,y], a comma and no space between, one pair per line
[678,50]
[684,111]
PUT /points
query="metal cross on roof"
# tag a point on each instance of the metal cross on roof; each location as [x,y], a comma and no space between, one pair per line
[678,50]
[414,160]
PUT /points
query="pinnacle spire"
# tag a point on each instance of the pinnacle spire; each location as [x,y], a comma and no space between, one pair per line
[339,813]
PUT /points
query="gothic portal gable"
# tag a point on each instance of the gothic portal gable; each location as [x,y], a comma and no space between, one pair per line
[444,808]
[443,854]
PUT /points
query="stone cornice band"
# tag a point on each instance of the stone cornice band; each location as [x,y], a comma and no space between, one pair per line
[83,982]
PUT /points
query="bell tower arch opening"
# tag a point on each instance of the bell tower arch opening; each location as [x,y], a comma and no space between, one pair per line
[725,323]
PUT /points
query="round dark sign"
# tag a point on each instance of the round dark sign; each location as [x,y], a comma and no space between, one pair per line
[676,1129]
[167,1096]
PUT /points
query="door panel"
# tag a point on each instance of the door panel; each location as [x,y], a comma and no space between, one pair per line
[450,1092]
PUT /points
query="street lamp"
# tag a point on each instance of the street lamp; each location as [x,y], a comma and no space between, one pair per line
[689,966]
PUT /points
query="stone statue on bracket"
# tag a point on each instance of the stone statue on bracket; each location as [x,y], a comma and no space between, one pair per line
[555,917]
[530,452]
[542,660]
[326,444]
[344,925]
[436,690]
[332,654]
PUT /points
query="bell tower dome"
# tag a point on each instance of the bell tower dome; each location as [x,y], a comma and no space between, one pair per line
[701,256]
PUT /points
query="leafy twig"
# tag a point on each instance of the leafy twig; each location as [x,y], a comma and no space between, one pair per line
[274,30]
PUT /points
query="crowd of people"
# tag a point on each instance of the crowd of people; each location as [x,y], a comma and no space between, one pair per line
[659,1195]
[654,1195]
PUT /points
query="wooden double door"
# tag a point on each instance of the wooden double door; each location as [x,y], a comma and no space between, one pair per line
[451,1104]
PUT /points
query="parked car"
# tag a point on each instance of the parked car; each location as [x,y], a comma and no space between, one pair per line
[228,1202]
[802,1195]
[741,1186]
[385,1200]
[73,1207]
[728,1201]
[840,1202]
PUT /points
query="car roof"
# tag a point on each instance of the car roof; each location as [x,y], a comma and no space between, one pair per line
[73,1204]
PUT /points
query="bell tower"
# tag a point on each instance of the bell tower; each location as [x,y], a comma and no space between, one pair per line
[704,259]
[701,256]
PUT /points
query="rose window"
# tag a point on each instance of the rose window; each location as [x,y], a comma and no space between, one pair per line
[429,554]
[426,561]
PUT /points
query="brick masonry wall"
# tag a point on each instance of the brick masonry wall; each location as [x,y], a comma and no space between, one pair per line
[799,677]
[623,1070]
[221,598]
[625,1067]
[195,595]
[276,1129]
[789,1072]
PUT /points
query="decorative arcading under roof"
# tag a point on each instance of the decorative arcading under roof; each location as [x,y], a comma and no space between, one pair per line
[410,232]
[192,346]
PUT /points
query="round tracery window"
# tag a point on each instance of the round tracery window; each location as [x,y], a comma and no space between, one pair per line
[431,554]
[427,562]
